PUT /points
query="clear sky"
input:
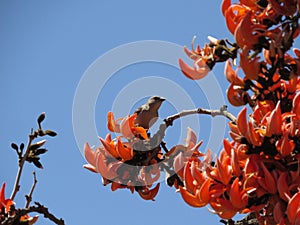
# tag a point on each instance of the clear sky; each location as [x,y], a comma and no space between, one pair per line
[46,48]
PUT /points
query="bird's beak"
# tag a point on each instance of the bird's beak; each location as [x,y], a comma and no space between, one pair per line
[162,99]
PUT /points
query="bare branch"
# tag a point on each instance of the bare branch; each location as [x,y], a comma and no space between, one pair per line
[29,197]
[221,112]
[155,141]
[21,164]
[39,208]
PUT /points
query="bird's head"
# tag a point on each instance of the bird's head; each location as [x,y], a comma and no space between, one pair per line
[155,101]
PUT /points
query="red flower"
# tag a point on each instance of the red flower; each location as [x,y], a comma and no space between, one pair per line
[201,57]
[6,205]
[126,126]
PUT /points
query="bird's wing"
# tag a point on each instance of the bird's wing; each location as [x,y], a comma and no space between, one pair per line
[142,108]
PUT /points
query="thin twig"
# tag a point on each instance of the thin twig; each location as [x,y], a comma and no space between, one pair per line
[20,169]
[29,197]
[221,112]
[39,208]
[147,145]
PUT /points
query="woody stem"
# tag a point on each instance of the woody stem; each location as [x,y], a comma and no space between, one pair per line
[21,165]
[213,112]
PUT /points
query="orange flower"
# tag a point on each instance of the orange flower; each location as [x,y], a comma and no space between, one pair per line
[223,208]
[91,156]
[231,75]
[113,124]
[287,7]
[251,67]
[129,130]
[267,181]
[223,170]
[233,14]
[274,122]
[149,194]
[125,152]
[110,147]
[236,95]
[238,195]
[28,219]
[125,126]
[190,198]
[247,33]
[282,187]
[285,146]
[197,72]
[293,209]
[6,205]
[242,123]
[184,153]
[200,57]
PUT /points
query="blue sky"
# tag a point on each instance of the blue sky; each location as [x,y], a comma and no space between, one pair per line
[46,47]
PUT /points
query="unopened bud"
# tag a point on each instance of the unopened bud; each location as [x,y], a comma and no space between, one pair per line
[41,118]
[37,145]
[50,133]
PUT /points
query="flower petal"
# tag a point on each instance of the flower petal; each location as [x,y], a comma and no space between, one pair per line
[192,72]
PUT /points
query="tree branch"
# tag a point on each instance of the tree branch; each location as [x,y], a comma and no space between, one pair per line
[153,142]
[29,197]
[221,112]
[39,209]
[21,165]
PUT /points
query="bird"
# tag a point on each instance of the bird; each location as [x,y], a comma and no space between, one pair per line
[147,114]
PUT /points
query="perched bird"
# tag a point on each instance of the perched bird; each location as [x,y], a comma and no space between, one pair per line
[147,114]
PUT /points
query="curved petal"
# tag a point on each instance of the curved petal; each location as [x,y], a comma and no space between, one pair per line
[231,75]
[241,122]
[111,123]
[110,148]
[140,131]
[283,188]
[225,5]
[179,164]
[197,174]
[251,67]
[203,193]
[124,152]
[235,95]
[191,199]
[286,145]
[268,180]
[149,194]
[233,16]
[89,154]
[274,123]
[193,73]
[238,198]
[191,138]
[188,178]
[126,126]
[293,207]
[103,169]
[288,8]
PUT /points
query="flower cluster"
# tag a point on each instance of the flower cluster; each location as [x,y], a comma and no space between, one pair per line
[8,210]
[205,58]
[126,164]
[259,171]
